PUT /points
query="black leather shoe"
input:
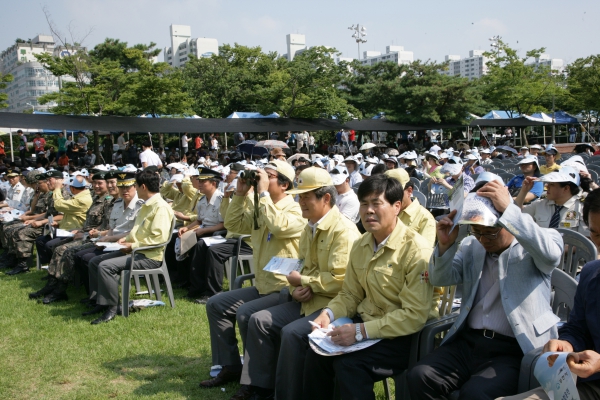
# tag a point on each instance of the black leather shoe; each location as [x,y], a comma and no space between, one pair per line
[96,310]
[106,317]
[225,376]
[46,290]
[18,270]
[55,296]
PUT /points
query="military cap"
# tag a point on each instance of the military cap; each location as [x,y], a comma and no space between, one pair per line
[54,174]
[237,167]
[151,168]
[100,176]
[207,173]
[40,177]
[13,172]
[125,178]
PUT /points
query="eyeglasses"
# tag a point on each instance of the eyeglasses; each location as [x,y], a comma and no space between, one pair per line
[488,236]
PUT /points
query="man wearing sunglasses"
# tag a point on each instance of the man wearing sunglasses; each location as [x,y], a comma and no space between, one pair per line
[505,268]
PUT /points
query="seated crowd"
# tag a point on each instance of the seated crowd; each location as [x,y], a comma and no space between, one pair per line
[371,256]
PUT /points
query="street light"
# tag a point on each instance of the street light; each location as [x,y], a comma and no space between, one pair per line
[32,107]
[496,43]
[359,33]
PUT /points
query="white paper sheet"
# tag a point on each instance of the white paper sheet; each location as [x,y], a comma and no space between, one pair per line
[456,198]
[323,345]
[557,380]
[64,233]
[210,240]
[284,266]
[110,246]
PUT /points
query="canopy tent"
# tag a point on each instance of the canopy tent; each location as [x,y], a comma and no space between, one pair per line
[238,114]
[164,125]
[515,122]
[382,125]
[499,114]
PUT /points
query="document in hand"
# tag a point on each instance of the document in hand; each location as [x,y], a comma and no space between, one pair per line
[323,345]
[110,246]
[553,373]
[188,240]
[456,199]
[210,240]
[283,266]
[64,233]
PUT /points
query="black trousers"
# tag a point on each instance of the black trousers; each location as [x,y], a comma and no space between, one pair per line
[80,263]
[207,266]
[479,367]
[355,373]
[45,246]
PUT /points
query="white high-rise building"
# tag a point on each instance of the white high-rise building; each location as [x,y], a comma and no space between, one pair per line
[556,65]
[30,79]
[395,54]
[471,67]
[182,46]
[296,44]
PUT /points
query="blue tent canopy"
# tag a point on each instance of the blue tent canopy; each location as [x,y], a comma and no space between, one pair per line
[499,114]
[562,117]
[238,114]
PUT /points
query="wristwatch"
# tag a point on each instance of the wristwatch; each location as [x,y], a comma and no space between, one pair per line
[264,194]
[359,336]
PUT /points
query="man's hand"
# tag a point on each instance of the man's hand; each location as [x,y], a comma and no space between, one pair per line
[497,193]
[263,181]
[78,235]
[179,215]
[343,335]
[528,184]
[445,237]
[243,186]
[58,184]
[294,278]
[558,345]
[182,231]
[584,364]
[28,222]
[302,294]
[37,224]
[322,320]
[127,249]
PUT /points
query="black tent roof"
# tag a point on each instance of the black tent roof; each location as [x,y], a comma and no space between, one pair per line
[164,125]
[384,126]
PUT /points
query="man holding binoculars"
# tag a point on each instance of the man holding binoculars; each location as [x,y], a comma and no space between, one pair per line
[276,230]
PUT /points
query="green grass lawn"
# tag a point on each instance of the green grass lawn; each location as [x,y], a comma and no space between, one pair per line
[52,352]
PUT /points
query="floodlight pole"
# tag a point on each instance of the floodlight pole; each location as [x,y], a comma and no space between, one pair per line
[359,35]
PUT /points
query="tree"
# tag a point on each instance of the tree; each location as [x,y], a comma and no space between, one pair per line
[514,85]
[413,94]
[583,86]
[223,83]
[306,87]
[4,79]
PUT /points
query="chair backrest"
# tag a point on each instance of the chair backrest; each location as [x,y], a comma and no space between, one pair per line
[593,167]
[416,182]
[425,185]
[594,175]
[447,300]
[498,171]
[436,201]
[578,251]
[506,176]
[421,197]
[563,296]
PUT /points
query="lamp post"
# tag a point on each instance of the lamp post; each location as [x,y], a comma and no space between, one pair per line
[359,35]
[496,43]
[32,107]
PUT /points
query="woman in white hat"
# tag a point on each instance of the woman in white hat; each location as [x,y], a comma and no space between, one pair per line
[431,166]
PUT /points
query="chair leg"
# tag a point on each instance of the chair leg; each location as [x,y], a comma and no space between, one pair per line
[386,388]
[157,294]
[169,288]
[37,258]
[125,288]
[136,279]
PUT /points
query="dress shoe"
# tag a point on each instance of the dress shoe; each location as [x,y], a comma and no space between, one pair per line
[45,290]
[202,300]
[225,376]
[108,315]
[96,310]
[55,296]
[18,270]
[86,300]
[245,392]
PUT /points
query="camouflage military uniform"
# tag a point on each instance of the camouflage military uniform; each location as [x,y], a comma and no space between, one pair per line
[22,240]
[7,230]
[61,264]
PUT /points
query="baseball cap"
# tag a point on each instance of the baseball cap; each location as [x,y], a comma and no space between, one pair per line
[530,159]
[535,146]
[339,175]
[77,182]
[282,168]
[575,162]
[399,174]
[310,179]
[177,178]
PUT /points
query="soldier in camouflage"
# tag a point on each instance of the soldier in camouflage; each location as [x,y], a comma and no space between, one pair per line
[60,269]
[20,243]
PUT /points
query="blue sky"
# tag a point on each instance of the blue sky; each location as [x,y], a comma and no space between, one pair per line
[431,29]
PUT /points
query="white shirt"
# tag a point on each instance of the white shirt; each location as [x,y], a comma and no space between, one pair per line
[208,211]
[184,142]
[355,178]
[349,205]
[122,219]
[15,192]
[150,158]
[121,142]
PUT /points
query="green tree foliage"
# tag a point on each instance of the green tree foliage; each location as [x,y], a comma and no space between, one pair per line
[512,85]
[306,87]
[583,84]
[4,79]
[223,83]
[414,94]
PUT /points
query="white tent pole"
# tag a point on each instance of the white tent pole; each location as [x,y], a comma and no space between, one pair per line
[12,153]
